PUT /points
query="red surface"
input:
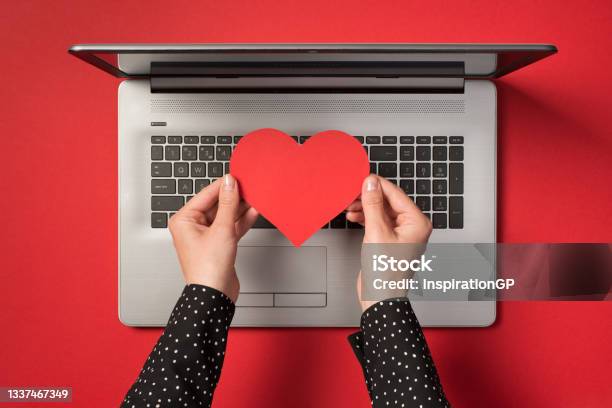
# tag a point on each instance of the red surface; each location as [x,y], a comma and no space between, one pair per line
[58,289]
[300,170]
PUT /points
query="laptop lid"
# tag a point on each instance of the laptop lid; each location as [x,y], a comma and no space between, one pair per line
[312,67]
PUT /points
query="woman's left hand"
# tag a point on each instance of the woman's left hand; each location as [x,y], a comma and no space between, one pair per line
[206,233]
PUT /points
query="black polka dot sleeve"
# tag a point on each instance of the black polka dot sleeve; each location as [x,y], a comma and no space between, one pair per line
[396,362]
[183,368]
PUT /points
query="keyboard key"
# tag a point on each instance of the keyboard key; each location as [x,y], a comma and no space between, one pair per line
[373,139]
[223,152]
[455,139]
[158,139]
[192,139]
[383,153]
[173,152]
[215,169]
[161,169]
[190,153]
[157,153]
[185,186]
[392,180]
[424,203]
[207,139]
[338,222]
[406,170]
[360,139]
[423,187]
[166,203]
[372,168]
[261,222]
[163,186]
[439,139]
[387,169]
[207,153]
[297,139]
[389,139]
[237,139]
[181,169]
[200,184]
[438,220]
[455,178]
[455,212]
[439,203]
[428,215]
[439,186]
[175,139]
[439,153]
[198,169]
[224,140]
[407,186]
[455,153]
[439,169]
[303,139]
[407,139]
[159,220]
[366,149]
[423,139]
[423,170]
[187,198]
[226,169]
[406,153]
[423,153]
[353,225]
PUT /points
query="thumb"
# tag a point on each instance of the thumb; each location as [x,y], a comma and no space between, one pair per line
[229,202]
[373,202]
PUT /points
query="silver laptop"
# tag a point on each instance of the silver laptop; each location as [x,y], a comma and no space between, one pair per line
[426,113]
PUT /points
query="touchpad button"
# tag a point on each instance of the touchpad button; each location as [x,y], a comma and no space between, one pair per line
[282,269]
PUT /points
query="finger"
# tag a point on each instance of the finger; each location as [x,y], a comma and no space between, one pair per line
[211,214]
[247,220]
[355,206]
[396,198]
[406,211]
[243,207]
[190,214]
[355,216]
[205,199]
[373,202]
[408,214]
[229,203]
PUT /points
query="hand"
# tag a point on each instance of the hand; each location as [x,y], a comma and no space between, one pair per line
[206,233]
[389,216]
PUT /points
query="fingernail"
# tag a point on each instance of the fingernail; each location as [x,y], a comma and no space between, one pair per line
[372,184]
[228,182]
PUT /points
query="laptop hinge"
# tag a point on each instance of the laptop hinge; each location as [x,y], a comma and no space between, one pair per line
[307,76]
[191,84]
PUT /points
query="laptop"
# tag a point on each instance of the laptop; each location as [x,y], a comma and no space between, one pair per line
[425,113]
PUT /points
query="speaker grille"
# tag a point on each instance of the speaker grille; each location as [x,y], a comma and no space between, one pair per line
[309,107]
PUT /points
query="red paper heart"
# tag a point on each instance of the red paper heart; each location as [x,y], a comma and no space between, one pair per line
[299,187]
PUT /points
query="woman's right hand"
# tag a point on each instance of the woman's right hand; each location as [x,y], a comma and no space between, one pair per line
[389,217]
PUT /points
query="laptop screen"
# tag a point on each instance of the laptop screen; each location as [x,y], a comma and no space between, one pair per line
[311,60]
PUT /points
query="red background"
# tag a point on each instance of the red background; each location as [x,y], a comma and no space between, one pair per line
[59,209]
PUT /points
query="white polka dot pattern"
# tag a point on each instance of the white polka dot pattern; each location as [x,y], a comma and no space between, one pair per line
[183,368]
[395,358]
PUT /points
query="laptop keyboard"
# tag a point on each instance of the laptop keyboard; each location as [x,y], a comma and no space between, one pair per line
[428,168]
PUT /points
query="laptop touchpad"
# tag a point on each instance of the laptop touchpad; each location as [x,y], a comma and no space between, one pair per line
[282,269]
